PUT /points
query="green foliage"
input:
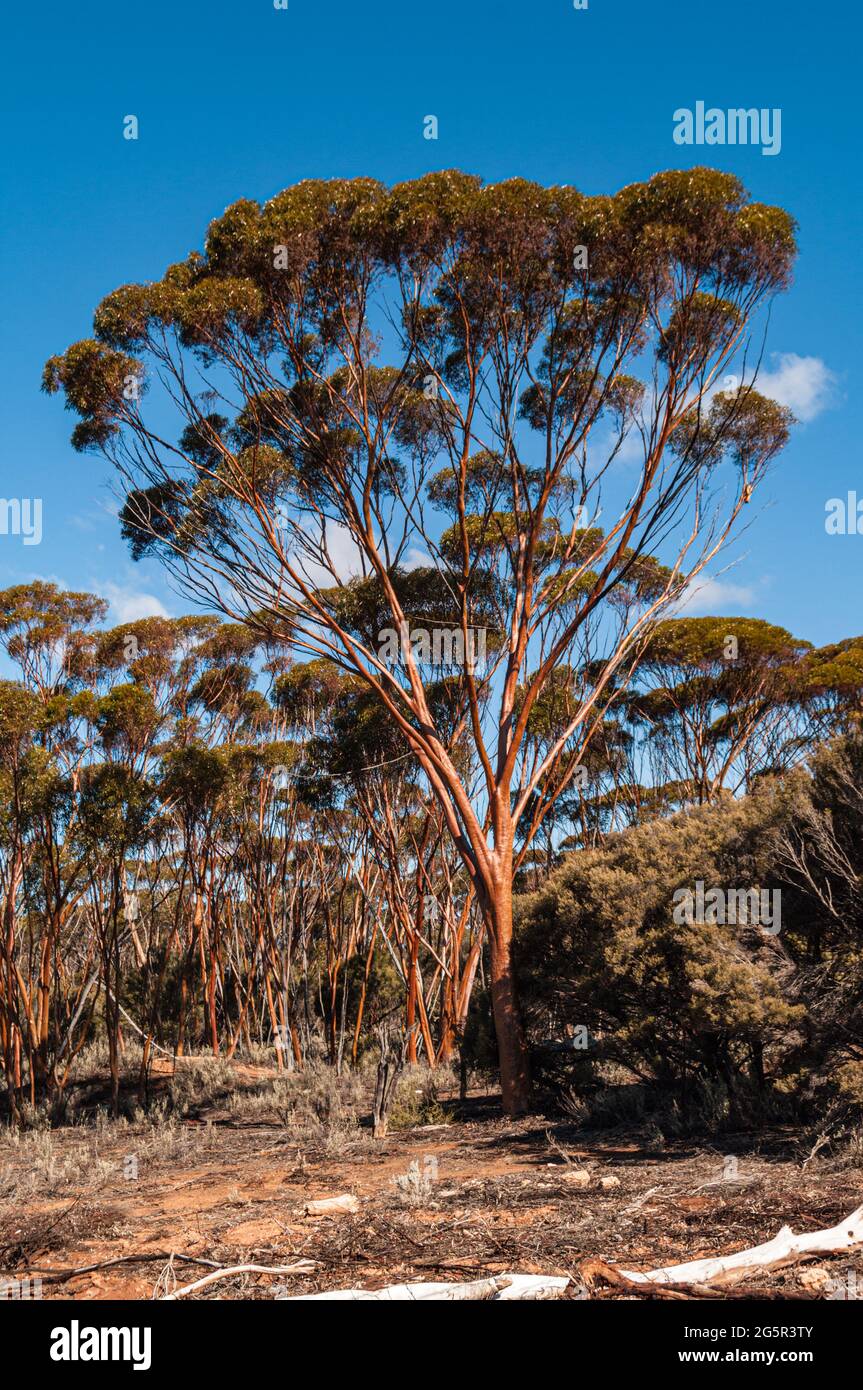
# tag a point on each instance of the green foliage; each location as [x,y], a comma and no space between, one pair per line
[416,1101]
[674,1002]
[94,379]
[116,809]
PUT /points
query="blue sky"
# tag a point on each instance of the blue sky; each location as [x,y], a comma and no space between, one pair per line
[240,99]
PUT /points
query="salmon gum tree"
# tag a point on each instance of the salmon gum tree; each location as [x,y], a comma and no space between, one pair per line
[363,408]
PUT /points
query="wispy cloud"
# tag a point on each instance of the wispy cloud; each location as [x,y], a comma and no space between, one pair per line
[714,596]
[128,604]
[416,559]
[344,560]
[805,385]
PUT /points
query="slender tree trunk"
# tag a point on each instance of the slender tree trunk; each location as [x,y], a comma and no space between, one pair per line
[512,1052]
[411,1012]
[363,993]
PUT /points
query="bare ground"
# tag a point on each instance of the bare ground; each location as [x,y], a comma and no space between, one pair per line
[486,1196]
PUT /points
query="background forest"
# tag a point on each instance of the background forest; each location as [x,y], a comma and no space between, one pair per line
[207,847]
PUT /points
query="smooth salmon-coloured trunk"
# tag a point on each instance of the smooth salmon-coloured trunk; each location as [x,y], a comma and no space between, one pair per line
[512,1053]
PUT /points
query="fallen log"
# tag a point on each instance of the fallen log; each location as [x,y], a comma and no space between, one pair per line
[595,1272]
[785,1248]
[498,1288]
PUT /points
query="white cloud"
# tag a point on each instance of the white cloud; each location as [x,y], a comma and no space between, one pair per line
[346,557]
[127,605]
[713,596]
[32,578]
[416,559]
[805,384]
[342,561]
[631,449]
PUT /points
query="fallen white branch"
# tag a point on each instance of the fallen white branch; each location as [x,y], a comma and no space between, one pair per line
[328,1206]
[784,1248]
[300,1267]
[499,1288]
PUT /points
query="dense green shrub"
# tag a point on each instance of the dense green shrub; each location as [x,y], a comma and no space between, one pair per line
[681,1005]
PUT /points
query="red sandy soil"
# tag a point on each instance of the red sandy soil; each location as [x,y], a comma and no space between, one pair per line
[503,1198]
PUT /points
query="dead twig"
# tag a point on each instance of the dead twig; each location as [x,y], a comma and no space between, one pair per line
[60,1276]
[300,1267]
